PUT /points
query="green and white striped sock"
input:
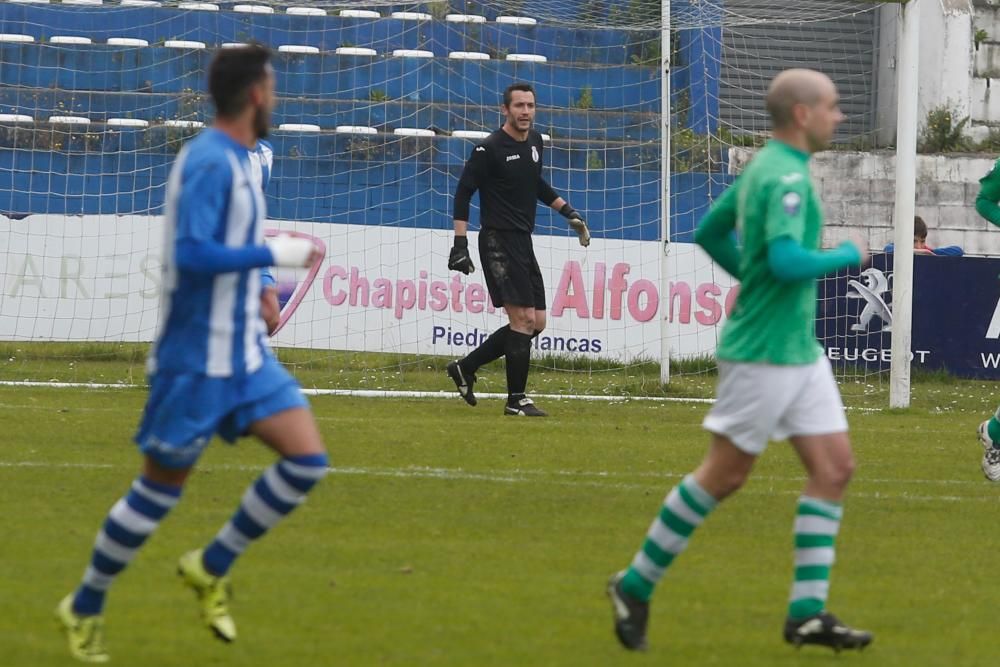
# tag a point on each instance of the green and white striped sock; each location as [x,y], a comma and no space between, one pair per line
[993,428]
[685,509]
[816,525]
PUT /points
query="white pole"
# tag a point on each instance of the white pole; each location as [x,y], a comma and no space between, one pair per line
[665,191]
[908,54]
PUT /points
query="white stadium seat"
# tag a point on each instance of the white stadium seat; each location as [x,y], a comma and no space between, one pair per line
[253,9]
[299,127]
[183,44]
[359,14]
[527,58]
[356,129]
[15,118]
[305,11]
[128,122]
[199,6]
[412,16]
[233,45]
[184,123]
[469,55]
[355,51]
[297,48]
[83,2]
[127,41]
[517,20]
[470,134]
[465,18]
[412,53]
[66,39]
[140,3]
[412,132]
[11,37]
[69,120]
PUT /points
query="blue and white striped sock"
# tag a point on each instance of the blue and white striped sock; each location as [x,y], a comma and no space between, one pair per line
[129,523]
[275,494]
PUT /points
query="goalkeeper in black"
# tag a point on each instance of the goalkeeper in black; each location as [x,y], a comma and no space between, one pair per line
[506,169]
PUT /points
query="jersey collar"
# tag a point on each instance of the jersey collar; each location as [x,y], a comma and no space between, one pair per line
[789,149]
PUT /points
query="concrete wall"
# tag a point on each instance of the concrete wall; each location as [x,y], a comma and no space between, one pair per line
[952,72]
[858,191]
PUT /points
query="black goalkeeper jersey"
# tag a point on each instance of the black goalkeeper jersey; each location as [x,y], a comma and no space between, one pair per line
[508,175]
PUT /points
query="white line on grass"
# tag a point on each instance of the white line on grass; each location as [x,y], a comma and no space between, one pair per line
[538,477]
[376,393]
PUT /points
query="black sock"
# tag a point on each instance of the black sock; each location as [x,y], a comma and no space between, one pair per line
[492,349]
[518,358]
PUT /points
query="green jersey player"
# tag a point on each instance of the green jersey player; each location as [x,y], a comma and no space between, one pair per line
[989,430]
[774,380]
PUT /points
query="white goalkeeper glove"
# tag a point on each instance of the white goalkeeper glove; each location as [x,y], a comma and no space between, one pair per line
[291,251]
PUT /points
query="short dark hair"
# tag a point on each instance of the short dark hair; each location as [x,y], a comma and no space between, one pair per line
[232,72]
[508,95]
[919,227]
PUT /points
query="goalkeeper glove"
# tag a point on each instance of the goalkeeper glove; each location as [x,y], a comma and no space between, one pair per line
[459,259]
[576,223]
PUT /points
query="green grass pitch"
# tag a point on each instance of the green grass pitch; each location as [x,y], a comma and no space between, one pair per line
[448,535]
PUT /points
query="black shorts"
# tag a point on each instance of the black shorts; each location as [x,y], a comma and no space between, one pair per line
[512,274]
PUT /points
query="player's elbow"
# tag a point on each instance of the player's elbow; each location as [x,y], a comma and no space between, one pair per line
[701,235]
[987,208]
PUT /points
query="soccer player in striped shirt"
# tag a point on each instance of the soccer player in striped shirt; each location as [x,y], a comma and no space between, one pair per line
[774,380]
[210,369]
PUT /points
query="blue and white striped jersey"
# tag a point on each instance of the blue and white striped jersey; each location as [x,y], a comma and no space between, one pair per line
[261,162]
[210,320]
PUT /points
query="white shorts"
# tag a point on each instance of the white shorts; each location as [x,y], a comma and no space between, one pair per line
[756,403]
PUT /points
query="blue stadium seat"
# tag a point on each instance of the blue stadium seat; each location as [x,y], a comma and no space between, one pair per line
[384,115]
[602,46]
[161,70]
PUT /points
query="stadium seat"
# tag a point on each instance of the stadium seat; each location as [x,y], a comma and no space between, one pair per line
[127,122]
[297,48]
[126,41]
[11,37]
[360,14]
[253,9]
[198,6]
[517,20]
[64,39]
[469,55]
[412,53]
[69,120]
[183,44]
[412,132]
[355,51]
[465,18]
[356,129]
[305,11]
[412,16]
[526,58]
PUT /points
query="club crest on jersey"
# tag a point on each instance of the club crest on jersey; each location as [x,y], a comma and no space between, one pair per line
[792,203]
[534,153]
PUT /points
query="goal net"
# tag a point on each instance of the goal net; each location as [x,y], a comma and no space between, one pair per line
[379,107]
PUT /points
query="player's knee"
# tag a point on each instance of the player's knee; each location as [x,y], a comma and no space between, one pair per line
[523,321]
[840,472]
[731,481]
